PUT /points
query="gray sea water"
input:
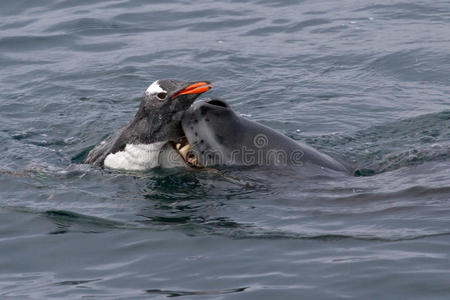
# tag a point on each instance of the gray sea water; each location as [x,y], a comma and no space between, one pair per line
[365,80]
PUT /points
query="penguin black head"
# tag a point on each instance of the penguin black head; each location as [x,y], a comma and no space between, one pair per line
[171,95]
[164,102]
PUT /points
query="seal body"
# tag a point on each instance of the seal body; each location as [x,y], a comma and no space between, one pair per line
[221,137]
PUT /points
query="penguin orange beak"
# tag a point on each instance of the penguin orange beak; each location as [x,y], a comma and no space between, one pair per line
[196,88]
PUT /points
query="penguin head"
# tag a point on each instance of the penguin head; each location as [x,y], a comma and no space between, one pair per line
[162,107]
[171,95]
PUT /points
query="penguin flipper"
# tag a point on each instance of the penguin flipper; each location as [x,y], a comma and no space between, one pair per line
[98,154]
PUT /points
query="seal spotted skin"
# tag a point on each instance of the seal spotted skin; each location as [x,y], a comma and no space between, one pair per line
[157,121]
[219,136]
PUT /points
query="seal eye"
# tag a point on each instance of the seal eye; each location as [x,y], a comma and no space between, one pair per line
[162,95]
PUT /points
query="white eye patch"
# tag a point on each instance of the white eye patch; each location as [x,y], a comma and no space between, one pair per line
[154,88]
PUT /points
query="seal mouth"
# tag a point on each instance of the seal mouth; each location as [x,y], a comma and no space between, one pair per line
[186,151]
[182,146]
[195,88]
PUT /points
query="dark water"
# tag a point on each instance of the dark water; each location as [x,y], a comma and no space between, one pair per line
[369,82]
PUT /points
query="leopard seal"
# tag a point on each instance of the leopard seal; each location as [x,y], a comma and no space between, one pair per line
[220,137]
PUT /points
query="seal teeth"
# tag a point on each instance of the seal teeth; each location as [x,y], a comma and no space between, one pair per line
[184,151]
[178,146]
[191,159]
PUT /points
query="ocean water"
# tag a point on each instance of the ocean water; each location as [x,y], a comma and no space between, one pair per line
[367,81]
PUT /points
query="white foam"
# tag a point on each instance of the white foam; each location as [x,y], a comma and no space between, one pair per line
[154,88]
[137,157]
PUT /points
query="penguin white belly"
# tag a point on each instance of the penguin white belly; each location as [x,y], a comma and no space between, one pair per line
[137,157]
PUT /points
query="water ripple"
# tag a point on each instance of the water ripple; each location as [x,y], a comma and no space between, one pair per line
[366,82]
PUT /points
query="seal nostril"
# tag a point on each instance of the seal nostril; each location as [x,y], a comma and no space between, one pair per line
[217,102]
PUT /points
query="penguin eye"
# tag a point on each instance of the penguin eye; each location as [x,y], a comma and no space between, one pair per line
[162,95]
